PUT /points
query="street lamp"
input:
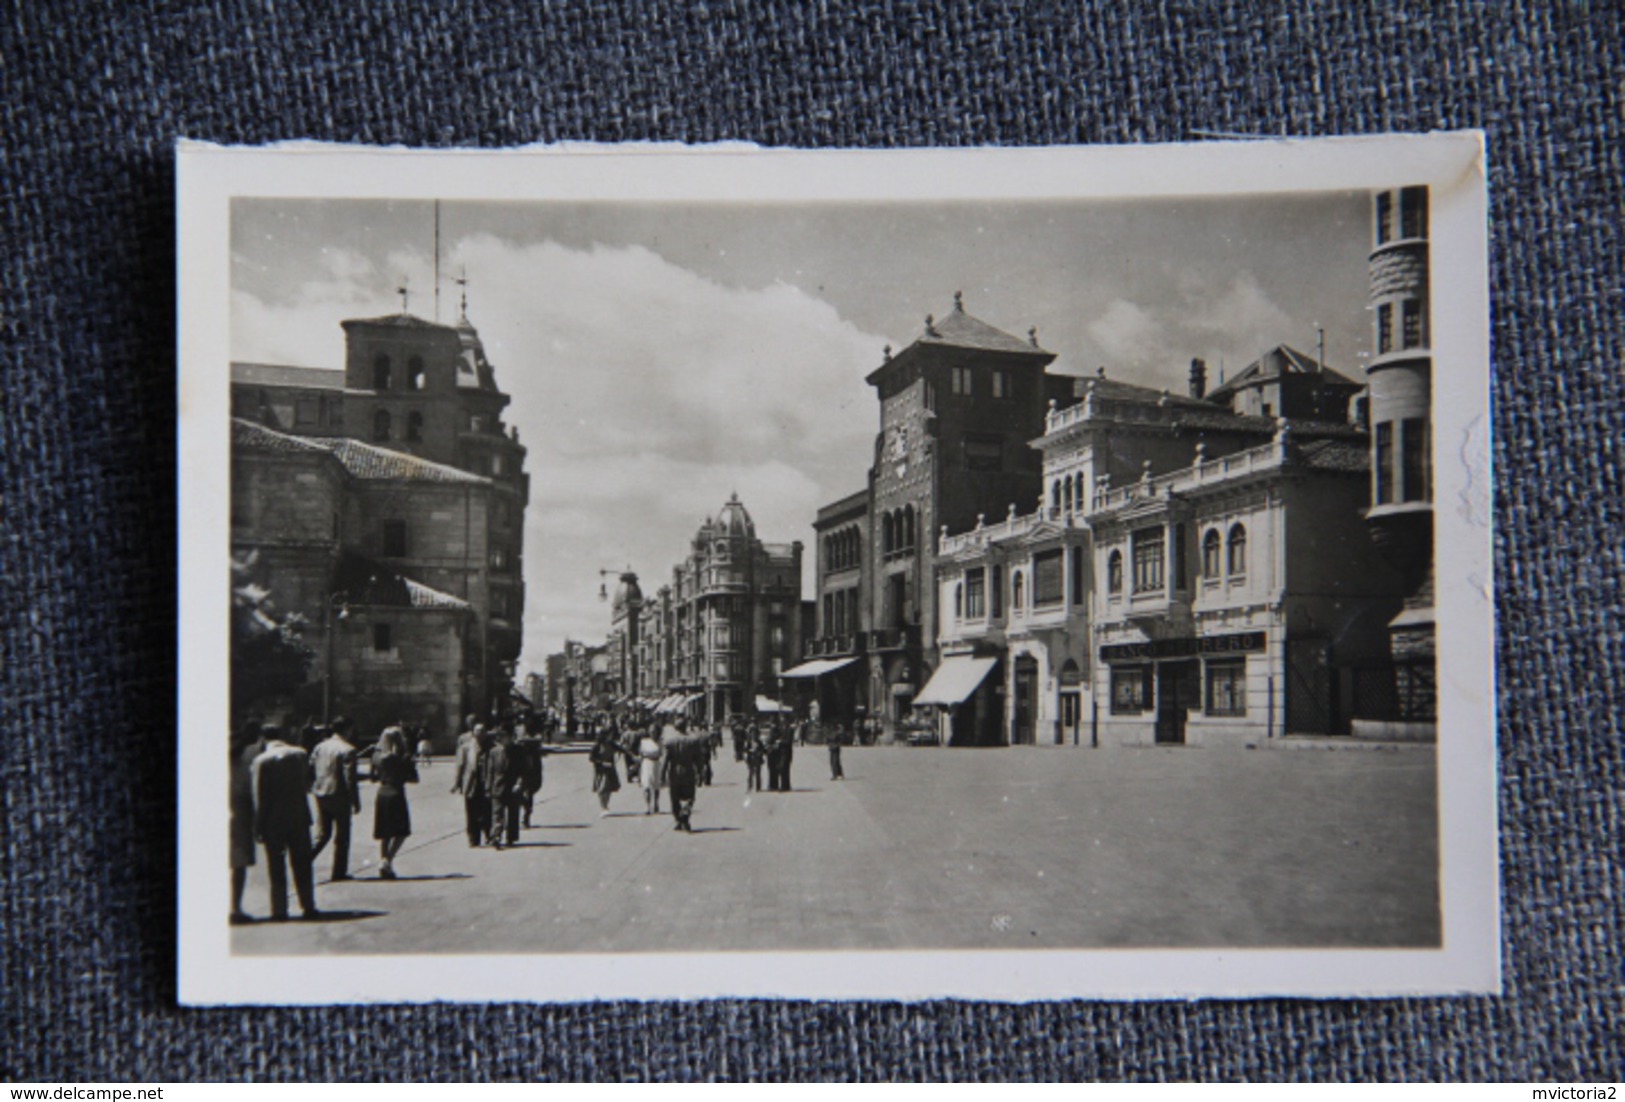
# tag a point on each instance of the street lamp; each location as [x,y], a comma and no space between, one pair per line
[334,609]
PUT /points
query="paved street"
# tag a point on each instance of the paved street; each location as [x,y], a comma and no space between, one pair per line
[918,848]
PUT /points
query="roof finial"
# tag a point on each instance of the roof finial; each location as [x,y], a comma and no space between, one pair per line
[462,281]
[886,352]
[404,290]
[1100,371]
[959,302]
[931,325]
[1032,335]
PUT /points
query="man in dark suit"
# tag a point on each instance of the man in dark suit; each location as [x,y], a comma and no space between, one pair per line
[338,795]
[502,785]
[282,821]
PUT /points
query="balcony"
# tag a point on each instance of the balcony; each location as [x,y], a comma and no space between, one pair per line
[837,646]
[890,639]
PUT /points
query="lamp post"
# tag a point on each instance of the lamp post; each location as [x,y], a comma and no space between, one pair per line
[334,609]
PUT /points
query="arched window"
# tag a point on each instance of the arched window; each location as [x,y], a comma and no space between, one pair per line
[380,426]
[1210,554]
[1238,549]
[414,373]
[380,371]
[1066,496]
[1055,495]
[1114,572]
[1015,590]
[1077,494]
[887,535]
[908,526]
[414,427]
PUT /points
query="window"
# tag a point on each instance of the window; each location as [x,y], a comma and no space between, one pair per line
[1049,580]
[776,637]
[1226,688]
[1055,496]
[1413,459]
[1180,581]
[414,373]
[1066,496]
[1411,322]
[1210,554]
[1131,689]
[1413,212]
[1384,213]
[1114,573]
[382,638]
[1001,384]
[380,426]
[395,538]
[1384,463]
[996,584]
[983,453]
[380,372]
[499,558]
[1148,560]
[1077,575]
[962,381]
[496,464]
[414,427]
[888,537]
[930,396]
[1016,584]
[1237,548]
[1385,328]
[975,594]
[305,411]
[959,601]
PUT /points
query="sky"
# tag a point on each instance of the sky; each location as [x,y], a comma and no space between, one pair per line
[661,357]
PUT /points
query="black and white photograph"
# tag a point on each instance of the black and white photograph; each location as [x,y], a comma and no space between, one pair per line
[656,572]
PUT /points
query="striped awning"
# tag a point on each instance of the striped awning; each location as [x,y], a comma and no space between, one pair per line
[817,667]
[955,680]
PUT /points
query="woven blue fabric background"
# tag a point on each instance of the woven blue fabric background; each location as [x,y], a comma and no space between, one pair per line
[91,98]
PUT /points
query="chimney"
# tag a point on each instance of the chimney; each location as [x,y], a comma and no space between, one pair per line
[1198,378]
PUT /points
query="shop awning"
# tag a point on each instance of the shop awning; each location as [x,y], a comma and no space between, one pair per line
[954,680]
[817,667]
[666,703]
[769,707]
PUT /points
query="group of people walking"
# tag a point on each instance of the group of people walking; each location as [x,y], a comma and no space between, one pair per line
[274,781]
[498,775]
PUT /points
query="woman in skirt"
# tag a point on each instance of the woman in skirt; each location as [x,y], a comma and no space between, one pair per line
[393,769]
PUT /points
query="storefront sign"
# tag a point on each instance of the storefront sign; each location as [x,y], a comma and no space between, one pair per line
[1238,643]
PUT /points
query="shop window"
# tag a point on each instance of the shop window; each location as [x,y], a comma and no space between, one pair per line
[1226,688]
[1114,573]
[1131,689]
[380,372]
[1211,545]
[380,426]
[414,427]
[1236,547]
[382,638]
[1049,582]
[1148,547]
[395,539]
[975,594]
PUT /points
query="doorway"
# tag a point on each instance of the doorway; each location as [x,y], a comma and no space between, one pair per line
[1026,701]
[1178,690]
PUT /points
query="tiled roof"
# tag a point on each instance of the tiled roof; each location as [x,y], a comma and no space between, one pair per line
[1336,455]
[422,596]
[399,321]
[960,330]
[248,434]
[1282,360]
[1115,390]
[372,462]
[318,378]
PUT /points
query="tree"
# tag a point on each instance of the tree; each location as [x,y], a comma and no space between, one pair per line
[269,657]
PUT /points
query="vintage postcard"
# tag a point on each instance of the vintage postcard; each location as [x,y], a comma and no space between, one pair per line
[661,572]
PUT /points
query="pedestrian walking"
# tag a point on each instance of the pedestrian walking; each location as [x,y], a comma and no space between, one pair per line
[649,769]
[469,782]
[529,750]
[282,821]
[502,785]
[337,792]
[393,769]
[837,737]
[683,753]
[246,744]
[425,749]
[606,780]
[755,755]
